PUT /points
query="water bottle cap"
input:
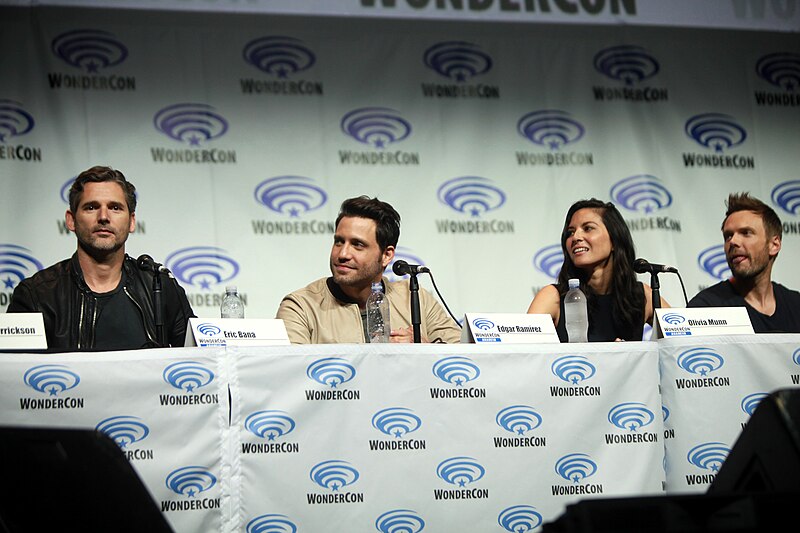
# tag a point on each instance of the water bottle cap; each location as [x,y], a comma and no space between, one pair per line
[377,285]
[574,283]
[230,288]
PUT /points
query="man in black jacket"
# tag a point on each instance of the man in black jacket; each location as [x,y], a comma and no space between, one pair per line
[100,298]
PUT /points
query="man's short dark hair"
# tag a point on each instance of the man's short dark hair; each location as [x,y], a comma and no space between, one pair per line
[99,174]
[387,220]
[744,202]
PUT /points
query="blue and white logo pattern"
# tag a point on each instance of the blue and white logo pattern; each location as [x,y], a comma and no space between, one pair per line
[549,260]
[456,370]
[202,266]
[208,329]
[796,357]
[64,192]
[576,467]
[751,401]
[290,195]
[16,264]
[400,521]
[781,70]
[713,261]
[518,419]
[471,194]
[376,126]
[786,195]
[190,480]
[14,120]
[187,375]
[191,123]
[331,371]
[628,64]
[271,523]
[270,424]
[460,471]
[457,60]
[89,50]
[279,56]
[396,421]
[124,430]
[51,379]
[701,361]
[665,412]
[631,416]
[573,368]
[673,319]
[483,324]
[715,131]
[708,456]
[550,128]
[520,519]
[642,193]
[334,475]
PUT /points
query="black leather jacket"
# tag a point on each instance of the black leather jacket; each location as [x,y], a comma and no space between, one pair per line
[60,293]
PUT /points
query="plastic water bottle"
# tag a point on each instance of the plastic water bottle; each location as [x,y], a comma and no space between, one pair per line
[575,315]
[378,328]
[232,305]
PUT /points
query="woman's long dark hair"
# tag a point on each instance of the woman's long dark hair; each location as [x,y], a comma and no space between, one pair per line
[626,296]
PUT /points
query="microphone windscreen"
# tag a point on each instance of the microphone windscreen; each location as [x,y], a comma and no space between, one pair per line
[641,266]
[400,267]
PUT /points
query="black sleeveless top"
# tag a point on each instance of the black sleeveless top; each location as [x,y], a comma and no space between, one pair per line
[603,327]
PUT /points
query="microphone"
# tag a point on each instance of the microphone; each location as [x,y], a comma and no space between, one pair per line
[145,262]
[401,268]
[643,266]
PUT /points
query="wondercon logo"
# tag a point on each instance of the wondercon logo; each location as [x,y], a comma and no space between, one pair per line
[786,195]
[631,416]
[471,194]
[269,424]
[456,370]
[781,70]
[190,123]
[518,419]
[550,128]
[64,193]
[51,379]
[483,324]
[400,521]
[700,361]
[576,467]
[89,50]
[665,412]
[643,193]
[290,195]
[715,131]
[708,456]
[396,421]
[208,329]
[796,357]
[331,371]
[376,126]
[124,430]
[187,375]
[460,471]
[202,266]
[628,64]
[713,261]
[271,523]
[190,480]
[279,55]
[673,318]
[519,519]
[16,264]
[334,475]
[751,401]
[457,60]
[14,120]
[573,368]
[549,260]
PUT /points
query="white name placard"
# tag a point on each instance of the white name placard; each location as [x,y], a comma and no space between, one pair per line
[22,331]
[511,328]
[702,321]
[236,332]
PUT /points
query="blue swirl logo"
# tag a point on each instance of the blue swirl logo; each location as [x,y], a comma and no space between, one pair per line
[713,261]
[457,60]
[334,475]
[376,126]
[407,255]
[460,471]
[64,192]
[575,467]
[190,480]
[664,413]
[396,421]
[456,370]
[400,521]
[673,318]
[518,419]
[90,50]
[751,401]
[549,260]
[202,266]
[208,329]
[628,64]
[708,456]
[51,379]
[271,523]
[786,195]
[124,430]
[14,120]
[269,424]
[796,357]
[550,128]
[191,123]
[643,193]
[631,416]
[187,375]
[290,195]
[471,194]
[781,70]
[483,324]
[331,371]
[279,56]
[701,361]
[573,368]
[519,519]
[715,131]
[16,264]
